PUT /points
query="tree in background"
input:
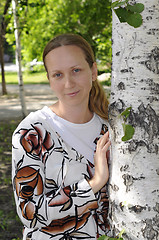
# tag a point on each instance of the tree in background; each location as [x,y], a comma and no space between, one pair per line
[4,20]
[40,20]
[18,58]
[134,104]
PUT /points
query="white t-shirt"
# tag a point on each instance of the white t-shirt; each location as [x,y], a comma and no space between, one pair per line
[79,136]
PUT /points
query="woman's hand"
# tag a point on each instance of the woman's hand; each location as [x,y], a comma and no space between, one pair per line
[101,175]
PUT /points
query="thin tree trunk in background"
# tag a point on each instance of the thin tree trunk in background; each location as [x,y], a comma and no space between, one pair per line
[134,180]
[18,58]
[4,90]
[3,25]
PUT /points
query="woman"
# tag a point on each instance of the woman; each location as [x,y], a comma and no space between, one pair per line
[60,152]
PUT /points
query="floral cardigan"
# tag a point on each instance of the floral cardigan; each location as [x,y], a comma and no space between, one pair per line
[52,194]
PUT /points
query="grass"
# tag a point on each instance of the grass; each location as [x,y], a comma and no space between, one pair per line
[34,78]
[10,225]
[28,78]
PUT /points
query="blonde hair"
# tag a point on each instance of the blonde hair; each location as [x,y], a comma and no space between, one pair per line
[98,102]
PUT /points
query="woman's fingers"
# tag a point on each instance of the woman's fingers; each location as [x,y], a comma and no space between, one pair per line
[101,164]
[107,144]
[104,141]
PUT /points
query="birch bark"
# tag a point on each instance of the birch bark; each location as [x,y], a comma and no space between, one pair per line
[134,180]
[18,58]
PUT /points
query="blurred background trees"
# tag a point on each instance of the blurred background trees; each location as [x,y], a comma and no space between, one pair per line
[40,20]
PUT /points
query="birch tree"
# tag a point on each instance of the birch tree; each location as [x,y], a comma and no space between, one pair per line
[134,180]
[18,58]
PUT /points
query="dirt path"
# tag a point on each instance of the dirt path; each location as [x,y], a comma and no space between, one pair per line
[36,96]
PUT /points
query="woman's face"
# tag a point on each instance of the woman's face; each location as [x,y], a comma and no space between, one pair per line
[70,75]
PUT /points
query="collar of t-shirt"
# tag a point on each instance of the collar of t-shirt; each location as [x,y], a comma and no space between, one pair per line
[79,136]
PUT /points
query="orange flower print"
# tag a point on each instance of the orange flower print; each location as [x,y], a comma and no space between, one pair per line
[62,199]
[68,227]
[36,142]
[28,181]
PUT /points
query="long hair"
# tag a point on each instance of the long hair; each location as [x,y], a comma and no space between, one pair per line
[98,102]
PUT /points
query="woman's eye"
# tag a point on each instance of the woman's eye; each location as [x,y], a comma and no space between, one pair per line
[76,70]
[57,75]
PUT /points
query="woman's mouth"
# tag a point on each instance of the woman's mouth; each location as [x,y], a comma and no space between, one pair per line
[72,94]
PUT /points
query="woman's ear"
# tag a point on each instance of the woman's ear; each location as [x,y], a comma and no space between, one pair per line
[94,71]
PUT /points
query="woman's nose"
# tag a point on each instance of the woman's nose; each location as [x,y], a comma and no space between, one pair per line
[69,81]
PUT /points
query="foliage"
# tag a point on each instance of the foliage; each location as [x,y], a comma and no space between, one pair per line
[109,238]
[119,237]
[127,128]
[128,13]
[103,47]
[42,20]
[10,225]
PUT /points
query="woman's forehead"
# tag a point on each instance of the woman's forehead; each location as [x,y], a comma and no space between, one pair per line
[67,55]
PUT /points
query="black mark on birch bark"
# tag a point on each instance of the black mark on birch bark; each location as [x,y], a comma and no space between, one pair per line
[124,168]
[121,86]
[153,87]
[115,109]
[126,70]
[153,61]
[156,208]
[118,53]
[114,187]
[149,232]
[153,31]
[156,220]
[137,208]
[148,18]
[129,180]
[144,118]
[134,144]
[147,119]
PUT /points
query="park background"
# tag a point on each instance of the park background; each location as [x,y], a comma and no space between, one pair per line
[39,21]
[133,108]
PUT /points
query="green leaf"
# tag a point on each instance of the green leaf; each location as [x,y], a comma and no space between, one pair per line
[135,20]
[121,233]
[109,238]
[138,8]
[128,132]
[118,4]
[103,238]
[116,239]
[126,113]
[122,14]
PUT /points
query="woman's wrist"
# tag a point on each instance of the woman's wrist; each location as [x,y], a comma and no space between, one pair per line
[96,183]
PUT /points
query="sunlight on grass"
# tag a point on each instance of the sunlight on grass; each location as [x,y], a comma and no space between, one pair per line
[28,78]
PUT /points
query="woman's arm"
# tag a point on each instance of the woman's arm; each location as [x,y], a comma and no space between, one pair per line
[33,145]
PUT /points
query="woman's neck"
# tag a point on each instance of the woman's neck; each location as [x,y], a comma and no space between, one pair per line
[72,114]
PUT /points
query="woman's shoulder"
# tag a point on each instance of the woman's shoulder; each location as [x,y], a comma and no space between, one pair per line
[36,118]
[103,121]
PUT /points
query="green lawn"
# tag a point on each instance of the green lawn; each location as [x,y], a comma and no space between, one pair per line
[28,78]
[35,78]
[10,225]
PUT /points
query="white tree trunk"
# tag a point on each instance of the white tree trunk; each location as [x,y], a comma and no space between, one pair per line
[134,180]
[18,58]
